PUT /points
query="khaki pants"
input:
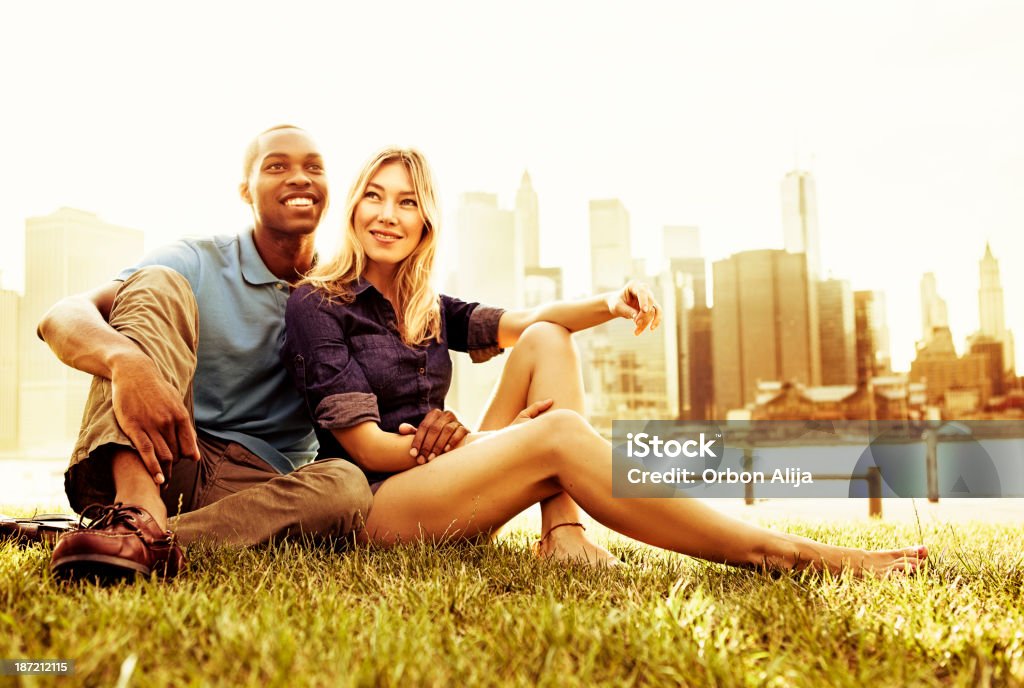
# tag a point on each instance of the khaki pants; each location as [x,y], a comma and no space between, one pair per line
[230,496]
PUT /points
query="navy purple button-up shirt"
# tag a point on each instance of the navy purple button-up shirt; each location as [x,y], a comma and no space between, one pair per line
[351,366]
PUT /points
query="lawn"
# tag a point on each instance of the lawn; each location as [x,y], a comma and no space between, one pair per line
[291,615]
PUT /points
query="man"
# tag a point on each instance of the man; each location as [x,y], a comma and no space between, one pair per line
[198,325]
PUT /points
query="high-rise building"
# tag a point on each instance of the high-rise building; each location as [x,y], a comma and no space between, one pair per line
[992,348]
[872,335]
[800,219]
[611,259]
[761,325]
[630,377]
[8,369]
[801,234]
[66,252]
[934,314]
[681,246]
[958,383]
[528,222]
[489,270]
[837,327]
[990,307]
[681,241]
[701,366]
[541,285]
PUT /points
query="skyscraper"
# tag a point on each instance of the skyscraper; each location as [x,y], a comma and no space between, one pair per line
[934,314]
[872,335]
[761,325]
[489,270]
[990,296]
[800,231]
[958,383]
[610,252]
[681,241]
[66,252]
[8,369]
[528,222]
[800,219]
[993,350]
[540,284]
[681,245]
[630,377]
[990,307]
[837,328]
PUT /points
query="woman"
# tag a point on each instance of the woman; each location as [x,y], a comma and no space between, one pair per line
[368,344]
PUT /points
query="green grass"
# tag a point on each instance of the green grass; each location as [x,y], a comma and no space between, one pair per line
[293,615]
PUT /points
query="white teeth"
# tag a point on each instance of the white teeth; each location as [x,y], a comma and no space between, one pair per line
[299,202]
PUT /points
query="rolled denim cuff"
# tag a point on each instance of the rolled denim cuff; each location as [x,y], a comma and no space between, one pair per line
[483,333]
[340,411]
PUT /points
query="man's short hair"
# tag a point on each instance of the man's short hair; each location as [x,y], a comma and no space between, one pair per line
[254,148]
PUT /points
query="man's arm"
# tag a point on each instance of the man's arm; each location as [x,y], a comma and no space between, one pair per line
[149,410]
[633,301]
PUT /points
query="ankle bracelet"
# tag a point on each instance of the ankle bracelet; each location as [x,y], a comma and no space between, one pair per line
[554,528]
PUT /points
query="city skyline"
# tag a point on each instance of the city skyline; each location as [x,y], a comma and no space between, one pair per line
[689,114]
[932,305]
[704,363]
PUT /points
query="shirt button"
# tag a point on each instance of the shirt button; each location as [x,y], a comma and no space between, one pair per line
[279,285]
[423,371]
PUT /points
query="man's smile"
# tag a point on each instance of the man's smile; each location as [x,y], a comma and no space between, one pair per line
[301,200]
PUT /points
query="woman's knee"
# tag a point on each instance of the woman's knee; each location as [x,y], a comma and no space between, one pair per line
[547,337]
[560,429]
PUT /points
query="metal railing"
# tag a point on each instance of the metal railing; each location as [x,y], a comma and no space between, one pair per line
[873,477]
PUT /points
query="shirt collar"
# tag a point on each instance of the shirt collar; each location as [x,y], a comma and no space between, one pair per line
[254,270]
[360,285]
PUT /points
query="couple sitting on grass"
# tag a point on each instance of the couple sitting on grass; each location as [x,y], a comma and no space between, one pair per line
[222,364]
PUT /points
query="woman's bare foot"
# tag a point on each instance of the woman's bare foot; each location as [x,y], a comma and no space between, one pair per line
[570,544]
[799,553]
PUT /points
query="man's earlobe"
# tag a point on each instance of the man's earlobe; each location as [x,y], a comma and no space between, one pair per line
[243,191]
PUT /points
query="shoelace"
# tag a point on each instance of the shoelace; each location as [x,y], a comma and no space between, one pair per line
[107,515]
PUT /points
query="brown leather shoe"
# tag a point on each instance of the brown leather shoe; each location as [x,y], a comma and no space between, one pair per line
[120,542]
[43,528]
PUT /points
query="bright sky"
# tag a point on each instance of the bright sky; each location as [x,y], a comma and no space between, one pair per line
[909,114]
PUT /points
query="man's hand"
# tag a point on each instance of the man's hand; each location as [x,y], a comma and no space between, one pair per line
[152,414]
[533,410]
[439,432]
[636,302]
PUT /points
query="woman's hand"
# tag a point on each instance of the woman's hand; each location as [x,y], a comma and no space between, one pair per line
[636,302]
[440,431]
[533,410]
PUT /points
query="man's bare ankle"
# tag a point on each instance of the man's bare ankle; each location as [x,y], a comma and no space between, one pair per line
[134,485]
[155,507]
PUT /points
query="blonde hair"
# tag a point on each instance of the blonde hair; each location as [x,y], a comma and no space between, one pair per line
[416,304]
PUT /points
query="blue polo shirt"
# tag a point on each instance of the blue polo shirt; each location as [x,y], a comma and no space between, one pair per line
[242,393]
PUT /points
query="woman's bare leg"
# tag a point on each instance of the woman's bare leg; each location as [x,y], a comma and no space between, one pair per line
[544,364]
[476,488]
